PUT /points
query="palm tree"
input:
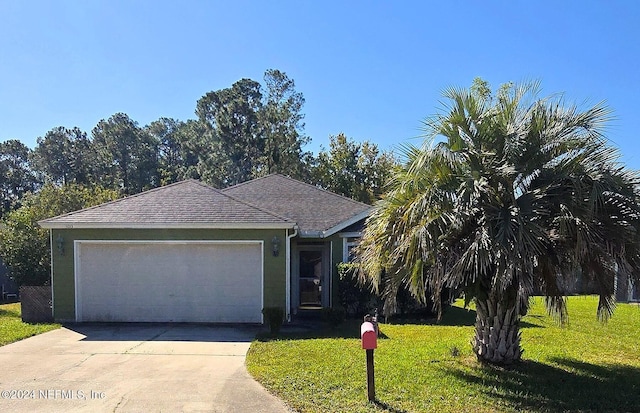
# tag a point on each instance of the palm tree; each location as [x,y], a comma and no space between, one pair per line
[510,194]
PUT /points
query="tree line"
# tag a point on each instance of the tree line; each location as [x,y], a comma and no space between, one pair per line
[241,132]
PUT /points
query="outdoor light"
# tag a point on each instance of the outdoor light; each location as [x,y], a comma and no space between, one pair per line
[275,243]
[60,244]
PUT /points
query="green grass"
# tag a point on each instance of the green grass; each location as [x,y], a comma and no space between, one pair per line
[584,366]
[13,329]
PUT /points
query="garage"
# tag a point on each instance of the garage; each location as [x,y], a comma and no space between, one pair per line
[187,252]
[169,281]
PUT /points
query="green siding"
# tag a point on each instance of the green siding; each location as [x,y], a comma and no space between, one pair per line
[63,265]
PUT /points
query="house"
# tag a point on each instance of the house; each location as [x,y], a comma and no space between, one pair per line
[625,290]
[8,287]
[188,252]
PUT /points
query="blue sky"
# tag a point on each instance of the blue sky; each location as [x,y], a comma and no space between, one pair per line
[371,69]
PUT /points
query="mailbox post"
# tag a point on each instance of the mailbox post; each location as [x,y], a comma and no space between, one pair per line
[369,343]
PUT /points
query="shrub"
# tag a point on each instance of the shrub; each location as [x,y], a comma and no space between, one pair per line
[24,245]
[334,316]
[356,299]
[274,317]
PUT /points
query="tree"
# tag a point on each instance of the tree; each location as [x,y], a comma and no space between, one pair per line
[282,126]
[127,155]
[195,145]
[355,170]
[509,193]
[248,133]
[17,176]
[233,129]
[177,149]
[24,246]
[65,156]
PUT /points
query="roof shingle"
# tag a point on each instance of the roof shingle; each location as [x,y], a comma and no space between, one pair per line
[315,210]
[186,202]
[274,201]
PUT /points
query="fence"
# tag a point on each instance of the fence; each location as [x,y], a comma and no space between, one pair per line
[36,304]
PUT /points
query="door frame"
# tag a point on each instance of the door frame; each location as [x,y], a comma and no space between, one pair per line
[325,280]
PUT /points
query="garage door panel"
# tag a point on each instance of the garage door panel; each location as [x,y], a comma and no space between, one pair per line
[181,282]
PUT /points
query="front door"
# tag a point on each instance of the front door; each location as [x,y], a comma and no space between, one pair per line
[311,271]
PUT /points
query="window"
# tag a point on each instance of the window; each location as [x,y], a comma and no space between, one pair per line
[349,243]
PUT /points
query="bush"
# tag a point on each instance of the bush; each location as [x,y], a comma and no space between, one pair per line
[24,245]
[334,316]
[274,317]
[356,299]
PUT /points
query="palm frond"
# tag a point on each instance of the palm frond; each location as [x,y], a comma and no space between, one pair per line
[507,194]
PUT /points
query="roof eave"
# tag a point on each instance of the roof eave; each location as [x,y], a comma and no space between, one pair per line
[329,232]
[161,225]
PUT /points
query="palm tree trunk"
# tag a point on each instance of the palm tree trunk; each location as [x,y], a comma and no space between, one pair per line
[497,337]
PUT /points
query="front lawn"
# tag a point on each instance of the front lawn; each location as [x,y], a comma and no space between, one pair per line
[585,366]
[13,329]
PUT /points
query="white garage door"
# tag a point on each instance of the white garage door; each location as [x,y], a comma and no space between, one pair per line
[220,282]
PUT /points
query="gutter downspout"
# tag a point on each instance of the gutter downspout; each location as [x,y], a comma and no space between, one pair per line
[51,270]
[288,272]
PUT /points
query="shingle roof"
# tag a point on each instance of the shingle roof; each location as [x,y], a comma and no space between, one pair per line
[316,211]
[273,201]
[184,204]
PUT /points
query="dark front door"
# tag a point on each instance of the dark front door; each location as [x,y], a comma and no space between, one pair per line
[311,279]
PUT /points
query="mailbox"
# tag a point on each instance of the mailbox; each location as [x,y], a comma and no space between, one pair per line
[368,336]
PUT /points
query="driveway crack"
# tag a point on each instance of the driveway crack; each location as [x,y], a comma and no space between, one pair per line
[115,409]
[81,362]
[147,340]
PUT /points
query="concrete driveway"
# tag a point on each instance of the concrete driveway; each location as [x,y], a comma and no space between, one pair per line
[132,368]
